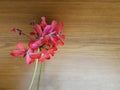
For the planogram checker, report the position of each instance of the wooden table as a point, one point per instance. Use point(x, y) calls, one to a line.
point(90, 58)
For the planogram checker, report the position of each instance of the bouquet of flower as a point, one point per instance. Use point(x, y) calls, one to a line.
point(42, 44)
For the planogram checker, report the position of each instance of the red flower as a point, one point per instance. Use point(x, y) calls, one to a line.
point(46, 38)
point(29, 60)
point(42, 43)
point(43, 22)
point(44, 54)
point(34, 44)
point(23, 51)
point(38, 30)
point(49, 28)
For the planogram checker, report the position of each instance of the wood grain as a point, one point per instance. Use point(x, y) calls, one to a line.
point(90, 58)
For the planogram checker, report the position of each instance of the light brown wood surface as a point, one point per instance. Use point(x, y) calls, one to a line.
point(90, 58)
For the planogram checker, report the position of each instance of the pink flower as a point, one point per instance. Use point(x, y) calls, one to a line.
point(49, 28)
point(43, 22)
point(42, 43)
point(38, 30)
point(34, 44)
point(23, 51)
point(44, 54)
point(29, 60)
point(46, 38)
point(56, 37)
point(52, 32)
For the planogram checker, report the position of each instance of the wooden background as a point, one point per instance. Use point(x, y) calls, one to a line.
point(90, 58)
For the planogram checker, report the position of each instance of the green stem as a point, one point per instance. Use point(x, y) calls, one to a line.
point(39, 76)
point(33, 77)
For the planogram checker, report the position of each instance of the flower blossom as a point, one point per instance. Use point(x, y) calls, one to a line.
point(23, 51)
point(45, 37)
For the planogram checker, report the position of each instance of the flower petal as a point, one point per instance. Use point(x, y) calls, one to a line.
point(61, 42)
point(28, 59)
point(34, 55)
point(53, 25)
point(20, 45)
point(43, 22)
point(32, 33)
point(41, 59)
point(60, 26)
point(34, 44)
point(46, 30)
point(17, 52)
point(62, 36)
point(53, 40)
point(52, 51)
point(38, 29)
point(48, 57)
